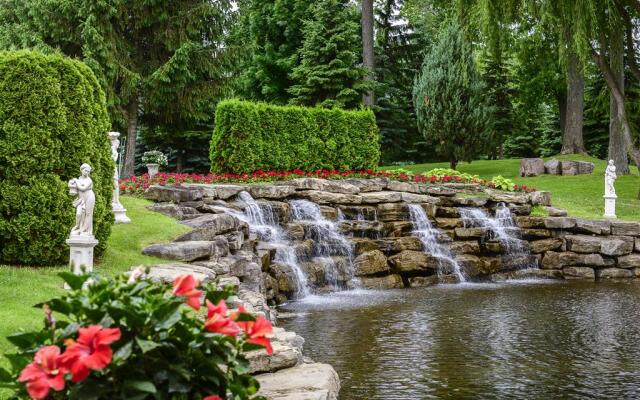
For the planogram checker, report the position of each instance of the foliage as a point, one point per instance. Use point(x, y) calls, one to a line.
point(128, 337)
point(499, 182)
point(154, 157)
point(327, 74)
point(53, 118)
point(441, 172)
point(451, 106)
point(257, 136)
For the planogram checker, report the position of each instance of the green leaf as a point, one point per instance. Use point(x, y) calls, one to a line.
point(123, 352)
point(140, 386)
point(74, 281)
point(25, 340)
point(70, 330)
point(5, 376)
point(18, 361)
point(146, 345)
point(57, 305)
point(168, 315)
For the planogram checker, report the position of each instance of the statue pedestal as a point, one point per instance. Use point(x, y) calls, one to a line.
point(610, 206)
point(120, 213)
point(81, 253)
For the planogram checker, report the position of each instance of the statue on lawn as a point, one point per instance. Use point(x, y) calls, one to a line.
point(82, 187)
point(609, 179)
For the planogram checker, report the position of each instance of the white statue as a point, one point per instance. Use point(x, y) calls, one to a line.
point(609, 179)
point(118, 210)
point(84, 204)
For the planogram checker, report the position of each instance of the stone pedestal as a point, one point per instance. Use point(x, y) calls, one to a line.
point(120, 213)
point(81, 253)
point(610, 206)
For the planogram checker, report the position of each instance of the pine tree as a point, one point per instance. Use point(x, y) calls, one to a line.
point(450, 99)
point(328, 74)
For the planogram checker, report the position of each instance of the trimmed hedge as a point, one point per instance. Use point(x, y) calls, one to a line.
point(53, 118)
point(257, 136)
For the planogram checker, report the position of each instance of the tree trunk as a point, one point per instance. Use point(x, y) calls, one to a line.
point(453, 163)
point(617, 147)
point(561, 98)
point(367, 47)
point(179, 161)
point(572, 140)
point(132, 130)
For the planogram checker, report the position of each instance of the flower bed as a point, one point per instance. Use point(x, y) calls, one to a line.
point(138, 184)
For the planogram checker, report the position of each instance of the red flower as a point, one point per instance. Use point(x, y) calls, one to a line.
point(218, 322)
point(213, 397)
point(45, 372)
point(185, 286)
point(91, 351)
point(257, 331)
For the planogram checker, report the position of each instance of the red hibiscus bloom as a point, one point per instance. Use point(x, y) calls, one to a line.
point(218, 322)
point(91, 351)
point(45, 372)
point(213, 397)
point(185, 286)
point(257, 332)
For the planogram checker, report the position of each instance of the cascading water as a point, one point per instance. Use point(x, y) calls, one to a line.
point(423, 230)
point(328, 242)
point(263, 222)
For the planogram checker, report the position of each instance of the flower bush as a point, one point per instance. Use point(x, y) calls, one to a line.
point(138, 184)
point(154, 157)
point(129, 337)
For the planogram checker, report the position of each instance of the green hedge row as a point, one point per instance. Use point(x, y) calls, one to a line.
point(256, 136)
point(53, 118)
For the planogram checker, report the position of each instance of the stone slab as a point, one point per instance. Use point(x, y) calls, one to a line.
point(303, 382)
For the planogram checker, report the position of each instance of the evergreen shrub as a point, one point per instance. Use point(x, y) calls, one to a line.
point(256, 136)
point(53, 118)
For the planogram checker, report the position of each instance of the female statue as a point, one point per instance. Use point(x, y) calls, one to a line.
point(609, 178)
point(84, 204)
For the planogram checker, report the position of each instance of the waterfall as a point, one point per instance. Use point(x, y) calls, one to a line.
point(423, 230)
point(328, 242)
point(263, 222)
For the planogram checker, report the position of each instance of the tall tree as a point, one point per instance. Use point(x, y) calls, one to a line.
point(572, 135)
point(166, 59)
point(449, 96)
point(367, 47)
point(328, 74)
point(617, 148)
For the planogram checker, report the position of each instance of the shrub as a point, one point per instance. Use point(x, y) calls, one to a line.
point(442, 172)
point(256, 136)
point(129, 337)
point(499, 182)
point(154, 157)
point(53, 118)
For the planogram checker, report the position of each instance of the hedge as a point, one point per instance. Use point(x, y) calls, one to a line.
point(257, 136)
point(53, 118)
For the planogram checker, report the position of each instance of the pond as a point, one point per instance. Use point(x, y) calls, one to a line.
point(516, 340)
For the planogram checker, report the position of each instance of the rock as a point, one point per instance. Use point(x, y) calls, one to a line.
point(629, 261)
point(437, 191)
point(475, 266)
point(617, 245)
point(208, 190)
point(508, 197)
point(556, 212)
point(540, 198)
point(569, 168)
point(584, 167)
point(398, 186)
point(369, 185)
point(217, 267)
point(625, 228)
point(448, 223)
point(544, 245)
point(613, 273)
point(470, 233)
point(527, 273)
point(235, 240)
point(520, 209)
point(286, 278)
point(637, 246)
point(172, 194)
point(384, 282)
point(583, 244)
point(168, 272)
point(284, 356)
point(303, 382)
point(422, 281)
point(329, 213)
point(370, 263)
point(465, 247)
point(392, 212)
point(531, 167)
point(559, 222)
point(324, 185)
point(209, 226)
point(447, 212)
point(593, 227)
point(181, 251)
point(269, 191)
point(381, 197)
point(359, 212)
point(395, 245)
point(530, 222)
point(363, 245)
point(532, 234)
point(412, 261)
point(366, 229)
point(321, 197)
point(397, 228)
point(419, 198)
point(295, 231)
point(552, 167)
point(465, 201)
point(557, 260)
point(173, 210)
point(225, 192)
point(578, 273)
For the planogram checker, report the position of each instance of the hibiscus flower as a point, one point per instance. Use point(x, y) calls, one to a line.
point(218, 321)
point(45, 372)
point(257, 332)
point(91, 351)
point(185, 286)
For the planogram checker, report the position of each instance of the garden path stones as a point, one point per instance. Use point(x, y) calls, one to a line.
point(313, 381)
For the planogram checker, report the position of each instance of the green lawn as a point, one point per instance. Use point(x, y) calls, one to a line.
point(581, 195)
point(21, 287)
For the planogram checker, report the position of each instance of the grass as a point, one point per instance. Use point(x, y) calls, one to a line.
point(22, 287)
point(581, 195)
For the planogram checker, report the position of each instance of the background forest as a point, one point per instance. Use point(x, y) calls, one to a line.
point(448, 80)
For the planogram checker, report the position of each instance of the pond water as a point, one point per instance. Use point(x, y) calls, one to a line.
point(517, 340)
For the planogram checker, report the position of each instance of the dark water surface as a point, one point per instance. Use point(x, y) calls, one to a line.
point(517, 340)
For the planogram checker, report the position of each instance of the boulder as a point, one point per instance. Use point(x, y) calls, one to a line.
point(235, 240)
point(559, 222)
point(533, 234)
point(225, 192)
point(279, 209)
point(520, 209)
point(557, 260)
point(418, 198)
point(569, 168)
point(269, 191)
point(475, 266)
point(556, 212)
point(397, 186)
point(359, 212)
point(209, 226)
point(592, 227)
point(526, 273)
point(302, 382)
point(322, 184)
point(295, 231)
point(181, 251)
point(448, 223)
point(422, 281)
point(369, 185)
point(530, 222)
point(381, 197)
point(540, 198)
point(173, 210)
point(413, 261)
point(397, 228)
point(392, 212)
point(284, 356)
point(464, 201)
point(578, 273)
point(584, 167)
point(617, 245)
point(471, 233)
point(447, 212)
point(625, 228)
point(218, 267)
point(508, 197)
point(172, 194)
point(437, 191)
point(329, 213)
point(552, 167)
point(637, 246)
point(397, 244)
point(465, 247)
point(322, 197)
point(629, 261)
point(370, 263)
point(531, 167)
point(544, 245)
point(583, 243)
point(383, 282)
point(286, 278)
point(613, 273)
point(366, 229)
point(168, 272)
point(363, 245)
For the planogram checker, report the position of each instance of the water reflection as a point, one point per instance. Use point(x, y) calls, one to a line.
point(528, 340)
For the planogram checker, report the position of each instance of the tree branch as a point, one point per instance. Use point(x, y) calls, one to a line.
point(631, 51)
